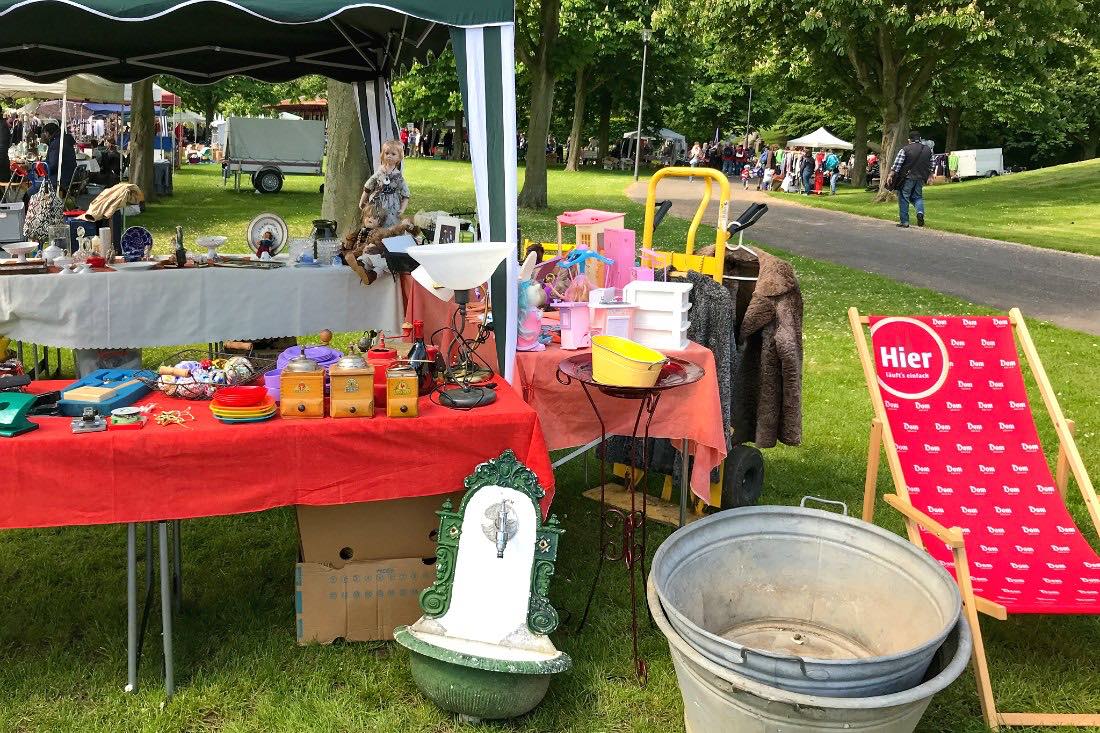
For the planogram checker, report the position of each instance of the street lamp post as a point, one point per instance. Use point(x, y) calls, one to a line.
point(646, 33)
point(748, 121)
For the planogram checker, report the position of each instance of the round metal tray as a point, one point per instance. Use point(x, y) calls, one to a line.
point(675, 373)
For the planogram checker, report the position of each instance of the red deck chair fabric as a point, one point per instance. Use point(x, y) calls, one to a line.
point(970, 454)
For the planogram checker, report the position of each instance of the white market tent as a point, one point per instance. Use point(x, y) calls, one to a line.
point(678, 140)
point(86, 87)
point(818, 139)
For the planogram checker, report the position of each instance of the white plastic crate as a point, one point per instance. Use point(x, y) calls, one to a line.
point(658, 296)
point(662, 339)
point(661, 320)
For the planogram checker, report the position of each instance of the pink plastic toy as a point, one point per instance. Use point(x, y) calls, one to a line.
point(618, 244)
point(575, 333)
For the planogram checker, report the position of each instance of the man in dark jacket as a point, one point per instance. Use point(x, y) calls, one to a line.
point(55, 152)
point(912, 167)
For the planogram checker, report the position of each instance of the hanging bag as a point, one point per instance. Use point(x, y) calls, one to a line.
point(44, 210)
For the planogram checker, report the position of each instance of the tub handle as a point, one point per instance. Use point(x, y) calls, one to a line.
point(842, 505)
point(819, 675)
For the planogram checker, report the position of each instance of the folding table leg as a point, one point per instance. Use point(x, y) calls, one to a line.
point(177, 562)
point(131, 609)
point(166, 610)
point(148, 559)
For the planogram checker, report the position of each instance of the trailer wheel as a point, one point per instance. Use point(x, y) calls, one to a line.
point(744, 477)
point(267, 180)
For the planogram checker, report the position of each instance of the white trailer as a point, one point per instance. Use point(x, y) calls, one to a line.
point(269, 150)
point(983, 162)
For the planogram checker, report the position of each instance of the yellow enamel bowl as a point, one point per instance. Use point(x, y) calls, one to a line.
point(620, 362)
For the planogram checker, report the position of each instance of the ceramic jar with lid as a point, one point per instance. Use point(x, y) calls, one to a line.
point(302, 388)
point(351, 387)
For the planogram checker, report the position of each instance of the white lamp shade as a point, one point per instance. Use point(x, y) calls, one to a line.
point(421, 275)
point(461, 266)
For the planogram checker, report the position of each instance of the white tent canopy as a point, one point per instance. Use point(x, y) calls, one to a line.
point(86, 87)
point(819, 138)
point(664, 134)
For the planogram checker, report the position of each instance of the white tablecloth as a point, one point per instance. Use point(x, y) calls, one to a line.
point(179, 307)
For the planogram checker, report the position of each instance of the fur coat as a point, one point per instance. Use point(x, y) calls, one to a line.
point(767, 360)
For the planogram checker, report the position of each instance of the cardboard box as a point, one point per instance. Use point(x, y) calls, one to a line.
point(371, 530)
point(363, 601)
point(362, 567)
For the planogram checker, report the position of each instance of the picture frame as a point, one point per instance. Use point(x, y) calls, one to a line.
point(447, 229)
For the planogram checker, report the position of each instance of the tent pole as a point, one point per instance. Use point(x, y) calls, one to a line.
point(61, 142)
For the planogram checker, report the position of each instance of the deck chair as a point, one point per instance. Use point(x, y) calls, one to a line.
point(972, 481)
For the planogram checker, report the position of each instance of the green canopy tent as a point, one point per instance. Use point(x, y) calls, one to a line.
point(202, 41)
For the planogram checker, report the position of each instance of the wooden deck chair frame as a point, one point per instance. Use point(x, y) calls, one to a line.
point(1069, 462)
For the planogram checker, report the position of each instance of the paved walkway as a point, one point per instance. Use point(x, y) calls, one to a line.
point(1054, 286)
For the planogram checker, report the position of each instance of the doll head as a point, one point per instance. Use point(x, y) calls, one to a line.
point(373, 215)
point(391, 155)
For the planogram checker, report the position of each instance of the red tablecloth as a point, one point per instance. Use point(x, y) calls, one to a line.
point(53, 478)
point(693, 411)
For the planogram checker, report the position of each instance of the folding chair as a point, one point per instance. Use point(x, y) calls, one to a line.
point(972, 481)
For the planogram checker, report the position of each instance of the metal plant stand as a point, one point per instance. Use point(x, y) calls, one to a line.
point(622, 535)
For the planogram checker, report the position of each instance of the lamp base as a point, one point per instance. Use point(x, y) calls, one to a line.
point(465, 398)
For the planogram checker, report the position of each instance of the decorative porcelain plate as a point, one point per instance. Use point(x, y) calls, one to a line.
point(268, 222)
point(134, 266)
point(135, 240)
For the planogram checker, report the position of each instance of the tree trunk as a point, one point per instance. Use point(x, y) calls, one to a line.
point(895, 127)
point(142, 132)
point(954, 124)
point(459, 139)
point(859, 148)
point(1091, 145)
point(347, 166)
point(573, 163)
point(605, 127)
point(533, 195)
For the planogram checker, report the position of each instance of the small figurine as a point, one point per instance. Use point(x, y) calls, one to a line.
point(265, 246)
point(387, 187)
point(532, 298)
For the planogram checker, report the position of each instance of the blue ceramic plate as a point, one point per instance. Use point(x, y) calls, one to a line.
point(232, 420)
point(134, 242)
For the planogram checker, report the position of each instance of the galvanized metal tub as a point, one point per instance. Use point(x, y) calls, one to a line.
point(718, 700)
point(806, 600)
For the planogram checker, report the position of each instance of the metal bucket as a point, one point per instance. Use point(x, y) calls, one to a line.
point(805, 600)
point(717, 700)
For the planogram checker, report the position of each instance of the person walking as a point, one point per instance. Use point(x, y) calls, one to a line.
point(807, 173)
point(695, 158)
point(832, 170)
point(911, 169)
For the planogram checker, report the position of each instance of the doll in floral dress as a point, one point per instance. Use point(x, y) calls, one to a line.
point(386, 188)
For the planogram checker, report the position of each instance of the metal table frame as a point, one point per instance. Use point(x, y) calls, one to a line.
point(171, 596)
point(628, 545)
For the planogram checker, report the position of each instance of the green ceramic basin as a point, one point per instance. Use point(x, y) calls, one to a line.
point(477, 686)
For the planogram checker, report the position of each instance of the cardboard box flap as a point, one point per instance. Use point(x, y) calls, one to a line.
point(373, 530)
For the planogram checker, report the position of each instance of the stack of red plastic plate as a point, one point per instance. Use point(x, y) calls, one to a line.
point(240, 396)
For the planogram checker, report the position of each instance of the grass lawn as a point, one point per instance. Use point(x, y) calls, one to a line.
point(63, 633)
point(1055, 208)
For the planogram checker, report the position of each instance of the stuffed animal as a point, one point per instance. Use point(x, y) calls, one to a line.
point(532, 298)
point(368, 241)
